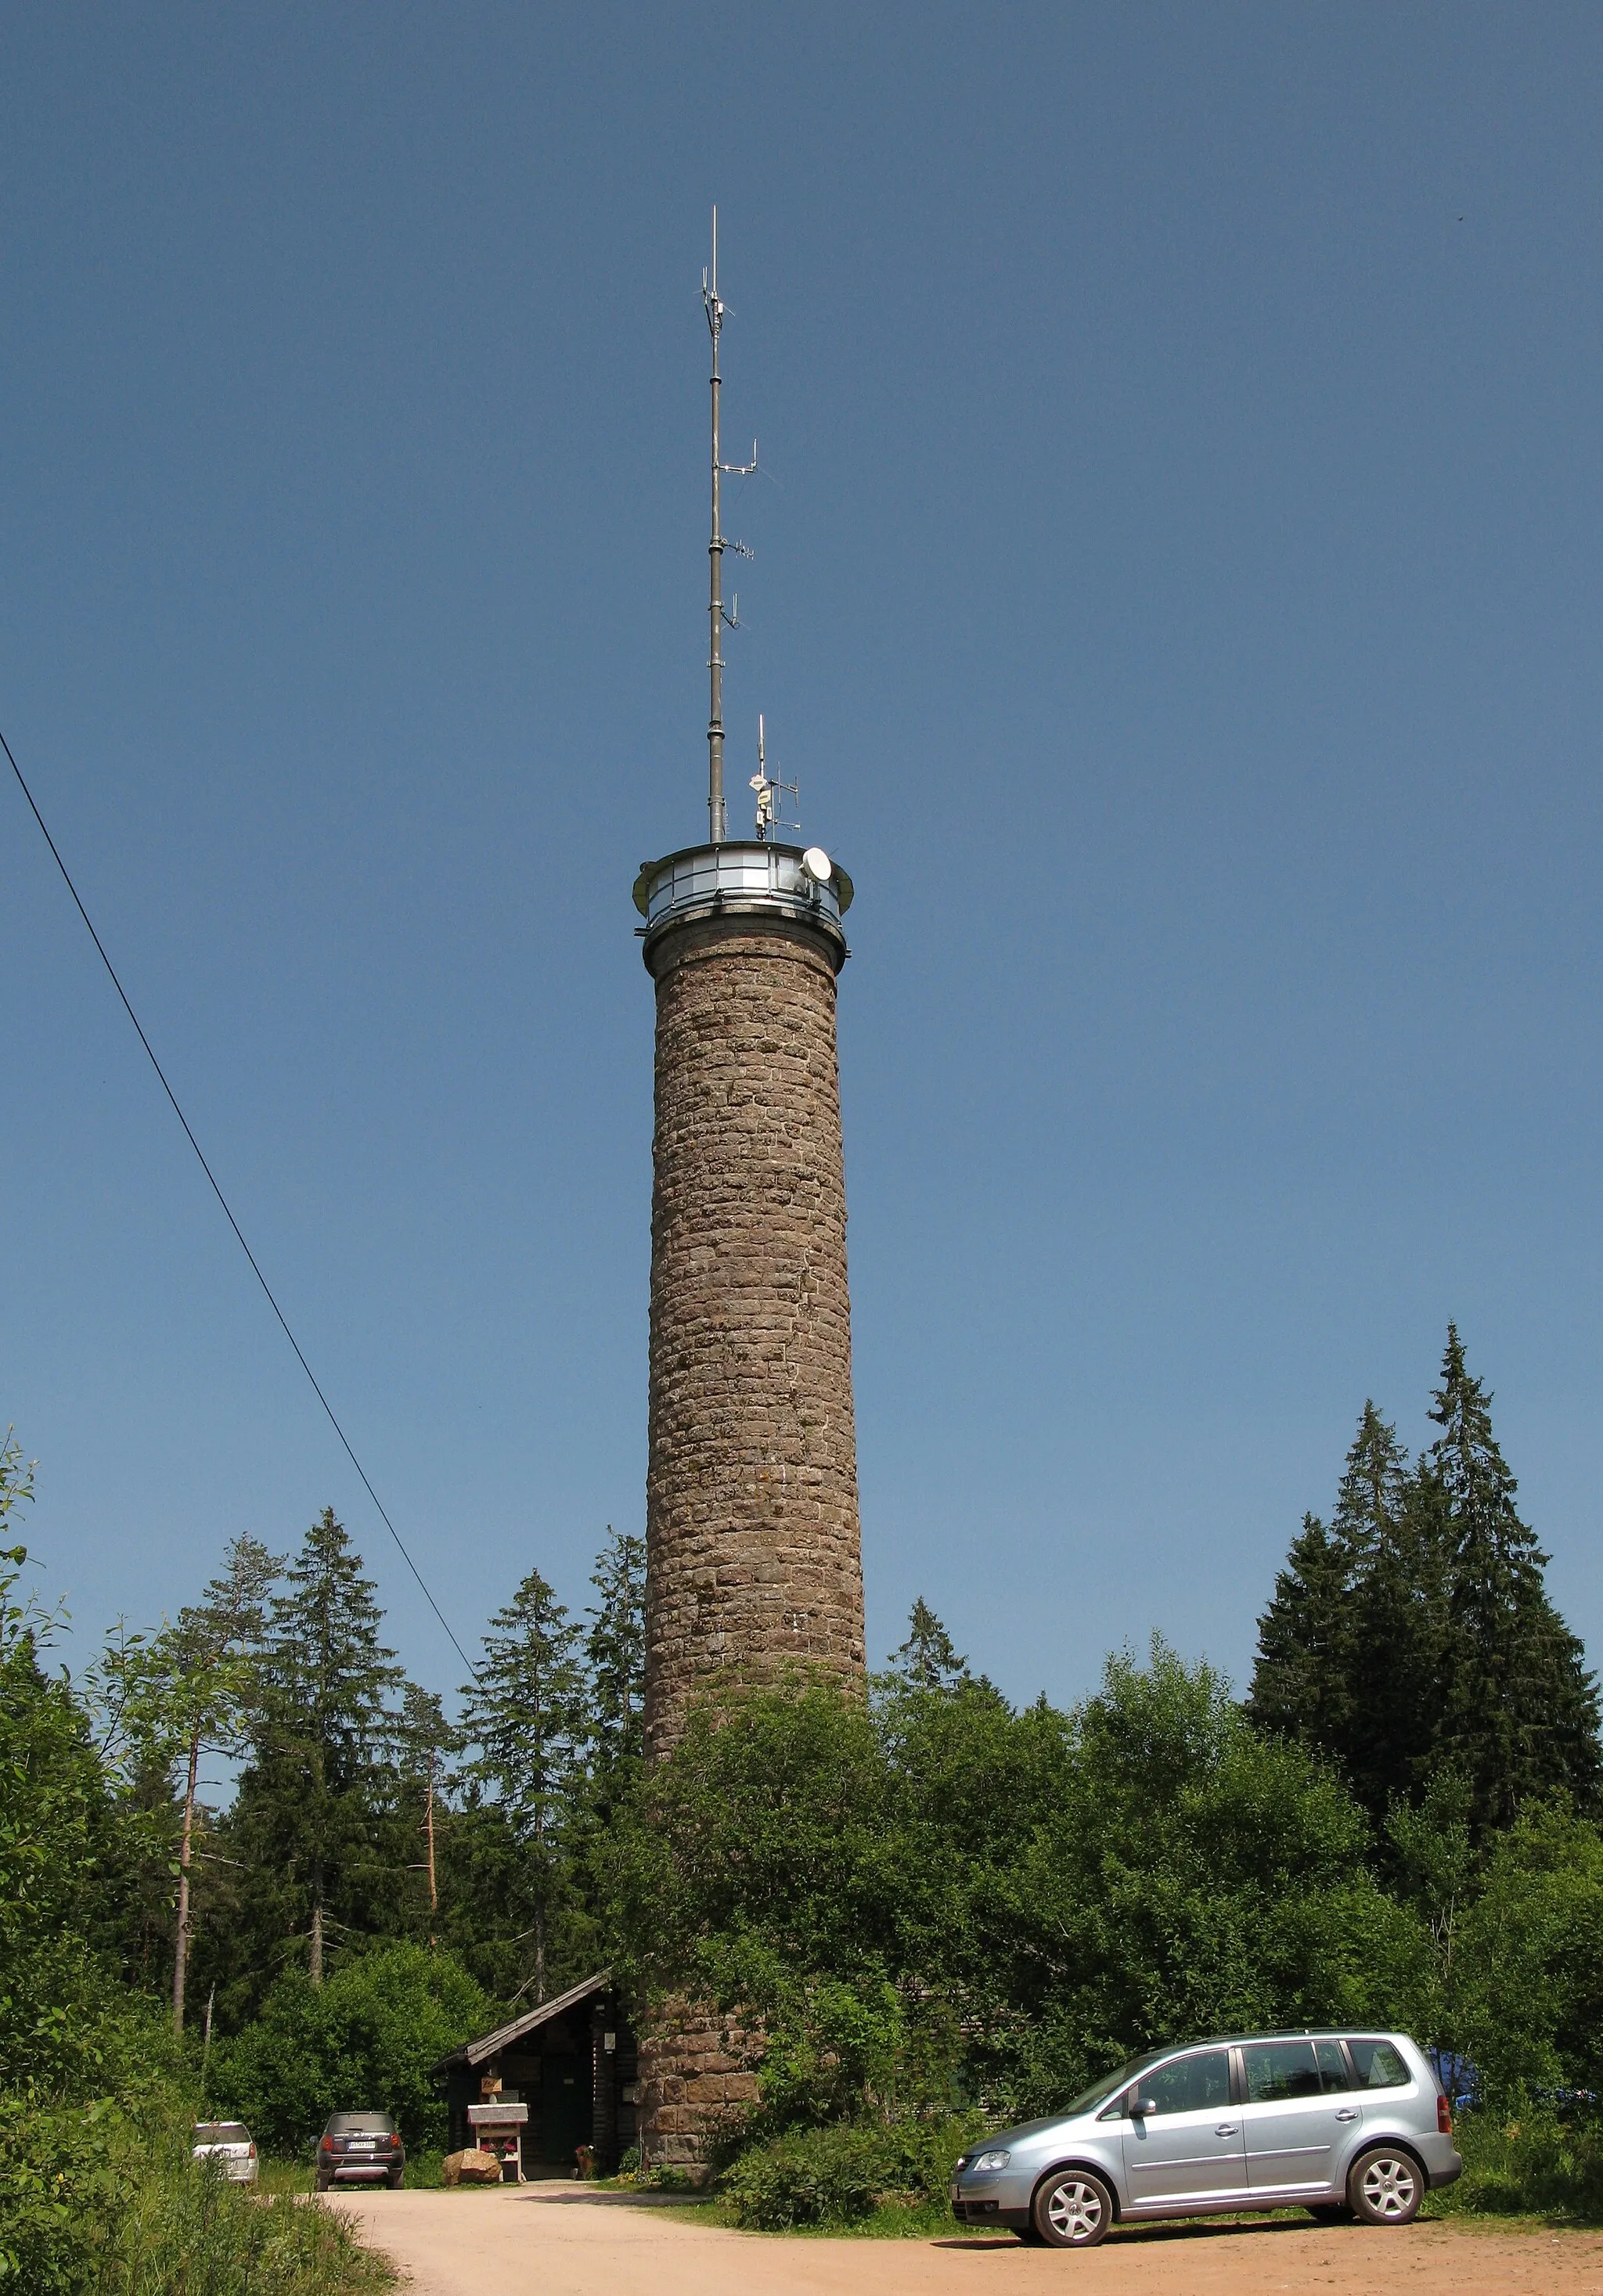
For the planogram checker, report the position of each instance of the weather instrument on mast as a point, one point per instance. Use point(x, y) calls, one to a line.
point(771, 794)
point(718, 613)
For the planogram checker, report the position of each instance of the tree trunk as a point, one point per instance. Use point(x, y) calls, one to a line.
point(539, 1955)
point(181, 1949)
point(315, 1967)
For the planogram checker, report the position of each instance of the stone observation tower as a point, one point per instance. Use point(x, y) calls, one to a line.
point(753, 1551)
point(753, 1546)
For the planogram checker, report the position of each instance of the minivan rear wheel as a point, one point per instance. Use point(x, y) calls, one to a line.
point(1386, 2186)
point(1072, 2210)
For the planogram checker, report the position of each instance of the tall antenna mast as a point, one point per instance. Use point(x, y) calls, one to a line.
point(717, 827)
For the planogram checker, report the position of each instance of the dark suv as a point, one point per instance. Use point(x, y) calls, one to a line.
point(360, 2148)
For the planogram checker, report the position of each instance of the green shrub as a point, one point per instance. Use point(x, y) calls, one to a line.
point(840, 2174)
point(60, 2185)
point(810, 2176)
point(366, 2039)
point(1536, 2164)
point(103, 2201)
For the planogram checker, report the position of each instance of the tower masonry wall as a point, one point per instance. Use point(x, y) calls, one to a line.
point(753, 1543)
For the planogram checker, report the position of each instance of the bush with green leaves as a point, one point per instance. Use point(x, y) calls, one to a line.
point(929, 1898)
point(841, 2174)
point(1537, 2162)
point(364, 2039)
point(1527, 1981)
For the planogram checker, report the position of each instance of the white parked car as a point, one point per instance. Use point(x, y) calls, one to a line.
point(228, 2146)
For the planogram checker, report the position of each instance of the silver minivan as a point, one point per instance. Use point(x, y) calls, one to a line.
point(1343, 2124)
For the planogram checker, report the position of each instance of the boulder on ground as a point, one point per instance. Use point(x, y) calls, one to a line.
point(472, 2167)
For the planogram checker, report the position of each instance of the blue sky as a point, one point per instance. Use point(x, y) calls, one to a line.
point(1178, 594)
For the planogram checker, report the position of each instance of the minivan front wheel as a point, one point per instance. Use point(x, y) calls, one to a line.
point(1072, 2210)
point(1385, 2186)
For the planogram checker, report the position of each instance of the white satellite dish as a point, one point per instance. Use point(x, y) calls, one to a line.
point(818, 864)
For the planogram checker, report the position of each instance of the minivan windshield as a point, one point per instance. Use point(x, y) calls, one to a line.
point(1111, 2083)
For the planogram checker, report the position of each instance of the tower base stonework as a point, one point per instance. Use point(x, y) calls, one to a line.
point(754, 1542)
point(698, 2081)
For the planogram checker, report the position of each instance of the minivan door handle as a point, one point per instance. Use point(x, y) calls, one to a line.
point(1346, 2114)
point(1227, 2128)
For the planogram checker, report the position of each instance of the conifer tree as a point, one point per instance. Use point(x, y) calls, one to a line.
point(1519, 1708)
point(1389, 1523)
point(314, 1820)
point(1414, 1641)
point(1325, 1647)
point(1302, 1683)
point(526, 1714)
point(615, 1654)
point(929, 1659)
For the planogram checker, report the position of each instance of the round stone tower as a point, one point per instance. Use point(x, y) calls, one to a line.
point(753, 1546)
point(754, 1553)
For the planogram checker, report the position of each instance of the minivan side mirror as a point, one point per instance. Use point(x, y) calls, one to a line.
point(1140, 2106)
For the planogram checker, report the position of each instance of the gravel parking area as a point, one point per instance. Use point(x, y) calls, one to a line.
point(561, 2239)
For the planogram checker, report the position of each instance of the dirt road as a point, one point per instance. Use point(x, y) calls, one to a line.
point(559, 2240)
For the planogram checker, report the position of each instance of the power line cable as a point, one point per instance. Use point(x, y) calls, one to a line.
point(229, 1216)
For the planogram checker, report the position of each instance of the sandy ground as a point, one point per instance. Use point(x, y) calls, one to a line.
point(561, 2241)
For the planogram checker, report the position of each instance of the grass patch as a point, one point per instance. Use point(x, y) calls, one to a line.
point(183, 2232)
point(1531, 2165)
point(275, 2177)
point(425, 2171)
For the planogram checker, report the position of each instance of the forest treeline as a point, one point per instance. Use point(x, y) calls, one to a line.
point(358, 1810)
point(932, 1901)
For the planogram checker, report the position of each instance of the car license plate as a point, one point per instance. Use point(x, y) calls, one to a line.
point(364, 2144)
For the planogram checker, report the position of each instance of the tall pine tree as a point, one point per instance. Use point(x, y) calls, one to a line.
point(615, 1654)
point(929, 1659)
point(526, 1713)
point(315, 1827)
point(1414, 1641)
point(1519, 1710)
point(1302, 1683)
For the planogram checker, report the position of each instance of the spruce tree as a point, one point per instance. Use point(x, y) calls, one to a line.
point(929, 1659)
point(1344, 1647)
point(615, 1654)
point(1519, 1710)
point(1414, 1641)
point(316, 1819)
point(525, 1712)
point(1302, 1687)
point(1389, 1521)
